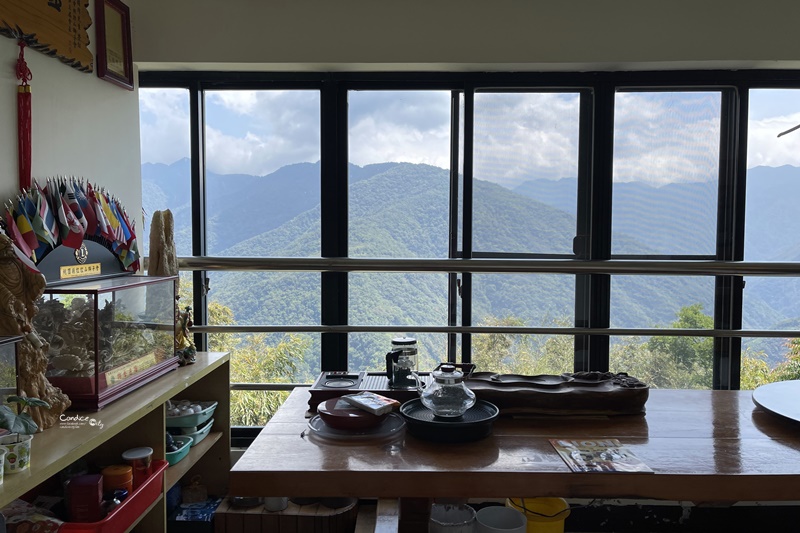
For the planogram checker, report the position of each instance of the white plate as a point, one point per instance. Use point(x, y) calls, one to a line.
point(391, 426)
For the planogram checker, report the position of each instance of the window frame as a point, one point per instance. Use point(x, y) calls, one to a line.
point(593, 239)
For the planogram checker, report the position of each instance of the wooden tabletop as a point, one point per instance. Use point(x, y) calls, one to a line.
point(704, 446)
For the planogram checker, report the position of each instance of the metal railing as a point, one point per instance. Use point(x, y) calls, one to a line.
point(501, 266)
point(490, 265)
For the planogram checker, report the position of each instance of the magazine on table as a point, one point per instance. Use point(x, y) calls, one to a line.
point(600, 455)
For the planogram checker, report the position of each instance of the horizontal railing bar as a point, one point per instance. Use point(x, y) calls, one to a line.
point(541, 266)
point(618, 332)
point(267, 386)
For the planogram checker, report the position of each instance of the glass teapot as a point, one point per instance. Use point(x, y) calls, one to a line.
point(447, 395)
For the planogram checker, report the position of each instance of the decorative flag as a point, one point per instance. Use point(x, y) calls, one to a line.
point(70, 201)
point(70, 231)
point(103, 227)
point(25, 227)
point(86, 207)
point(50, 224)
point(113, 223)
point(15, 234)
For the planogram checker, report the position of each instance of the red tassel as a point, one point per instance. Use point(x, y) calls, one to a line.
point(24, 119)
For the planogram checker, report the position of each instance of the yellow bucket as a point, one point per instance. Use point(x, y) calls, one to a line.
point(545, 515)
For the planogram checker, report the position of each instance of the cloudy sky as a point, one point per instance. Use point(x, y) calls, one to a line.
point(660, 138)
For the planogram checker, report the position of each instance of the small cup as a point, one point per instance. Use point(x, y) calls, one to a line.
point(451, 518)
point(140, 460)
point(276, 504)
point(497, 519)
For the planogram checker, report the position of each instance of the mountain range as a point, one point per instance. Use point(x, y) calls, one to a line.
point(400, 210)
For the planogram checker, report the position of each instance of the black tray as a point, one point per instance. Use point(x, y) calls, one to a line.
point(475, 424)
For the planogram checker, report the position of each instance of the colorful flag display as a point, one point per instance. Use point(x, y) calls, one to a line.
point(65, 212)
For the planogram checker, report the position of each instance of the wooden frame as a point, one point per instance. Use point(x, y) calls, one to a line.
point(113, 35)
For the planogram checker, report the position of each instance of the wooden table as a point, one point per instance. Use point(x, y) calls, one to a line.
point(704, 446)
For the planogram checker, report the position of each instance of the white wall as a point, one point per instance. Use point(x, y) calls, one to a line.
point(81, 125)
point(466, 34)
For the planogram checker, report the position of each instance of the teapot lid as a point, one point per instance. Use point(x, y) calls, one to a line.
point(403, 341)
point(448, 374)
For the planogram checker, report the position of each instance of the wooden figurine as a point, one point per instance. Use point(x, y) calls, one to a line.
point(20, 288)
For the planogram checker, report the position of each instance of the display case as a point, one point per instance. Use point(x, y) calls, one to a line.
point(107, 337)
point(8, 367)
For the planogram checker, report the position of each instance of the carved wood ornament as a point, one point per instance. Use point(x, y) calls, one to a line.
point(20, 287)
point(54, 27)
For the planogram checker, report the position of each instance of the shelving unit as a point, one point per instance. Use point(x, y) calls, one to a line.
point(138, 419)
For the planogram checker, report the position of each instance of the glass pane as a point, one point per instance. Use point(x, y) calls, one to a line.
point(662, 302)
point(270, 357)
point(367, 351)
point(525, 172)
point(523, 300)
point(277, 298)
point(8, 370)
point(772, 233)
point(666, 171)
point(166, 164)
point(263, 173)
point(267, 298)
point(664, 362)
point(530, 355)
point(255, 408)
point(399, 177)
point(397, 298)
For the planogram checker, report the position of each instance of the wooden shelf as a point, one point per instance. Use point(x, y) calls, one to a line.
point(76, 435)
point(144, 514)
point(175, 472)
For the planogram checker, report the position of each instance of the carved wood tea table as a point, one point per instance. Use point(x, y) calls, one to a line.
point(703, 446)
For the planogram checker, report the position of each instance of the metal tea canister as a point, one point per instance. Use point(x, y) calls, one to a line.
point(117, 477)
point(140, 460)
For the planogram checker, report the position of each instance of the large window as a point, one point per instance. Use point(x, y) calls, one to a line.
point(344, 210)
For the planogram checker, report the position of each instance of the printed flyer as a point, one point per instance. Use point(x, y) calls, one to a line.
point(601, 455)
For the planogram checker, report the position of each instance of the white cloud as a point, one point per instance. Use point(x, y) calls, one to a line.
point(524, 136)
point(764, 146)
point(666, 137)
point(164, 125)
point(661, 138)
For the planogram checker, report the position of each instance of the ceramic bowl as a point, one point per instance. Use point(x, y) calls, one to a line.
point(339, 414)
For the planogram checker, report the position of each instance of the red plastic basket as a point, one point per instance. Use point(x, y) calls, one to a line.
point(126, 513)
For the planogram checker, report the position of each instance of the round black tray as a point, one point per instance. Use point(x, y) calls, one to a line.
point(475, 424)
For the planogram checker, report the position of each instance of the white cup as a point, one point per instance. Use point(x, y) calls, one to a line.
point(276, 504)
point(451, 518)
point(496, 519)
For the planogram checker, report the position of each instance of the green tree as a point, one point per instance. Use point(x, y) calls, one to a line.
point(754, 371)
point(255, 361)
point(255, 358)
point(511, 353)
point(693, 354)
point(659, 369)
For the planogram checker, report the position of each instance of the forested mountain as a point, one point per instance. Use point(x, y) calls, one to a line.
point(401, 210)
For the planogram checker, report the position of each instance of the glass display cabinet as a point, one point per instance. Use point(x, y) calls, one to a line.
point(8, 367)
point(108, 337)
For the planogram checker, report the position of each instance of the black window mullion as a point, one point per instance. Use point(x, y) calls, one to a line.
point(580, 245)
point(198, 180)
point(334, 213)
point(452, 278)
point(598, 286)
point(466, 232)
point(730, 236)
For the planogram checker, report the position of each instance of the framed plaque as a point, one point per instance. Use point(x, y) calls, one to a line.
point(114, 60)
